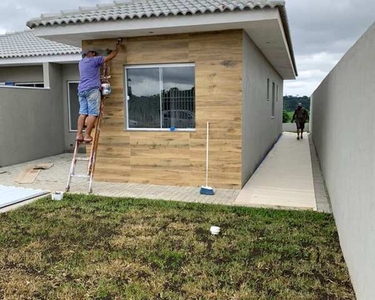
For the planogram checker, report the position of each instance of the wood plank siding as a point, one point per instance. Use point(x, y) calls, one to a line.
point(177, 158)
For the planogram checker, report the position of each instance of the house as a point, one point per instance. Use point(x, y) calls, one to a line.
point(183, 64)
point(38, 102)
point(343, 133)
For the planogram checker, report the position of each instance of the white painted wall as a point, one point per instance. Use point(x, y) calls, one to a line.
point(21, 74)
point(344, 134)
point(259, 130)
point(31, 121)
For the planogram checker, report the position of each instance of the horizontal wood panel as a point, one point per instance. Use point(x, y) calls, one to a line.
point(157, 177)
point(177, 158)
point(160, 163)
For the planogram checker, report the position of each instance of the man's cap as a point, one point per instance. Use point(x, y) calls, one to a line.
point(85, 52)
point(300, 104)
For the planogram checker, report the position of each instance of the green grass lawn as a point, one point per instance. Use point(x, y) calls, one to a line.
point(88, 247)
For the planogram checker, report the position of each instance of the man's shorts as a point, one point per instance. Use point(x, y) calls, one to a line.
point(300, 125)
point(89, 102)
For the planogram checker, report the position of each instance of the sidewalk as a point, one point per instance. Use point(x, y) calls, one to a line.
point(288, 178)
point(285, 179)
point(55, 179)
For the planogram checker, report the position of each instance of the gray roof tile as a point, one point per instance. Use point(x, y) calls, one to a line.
point(137, 9)
point(25, 44)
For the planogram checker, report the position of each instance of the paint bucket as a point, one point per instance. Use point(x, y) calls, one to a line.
point(57, 195)
point(106, 89)
point(215, 230)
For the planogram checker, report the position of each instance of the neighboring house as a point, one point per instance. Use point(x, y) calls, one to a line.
point(182, 64)
point(343, 132)
point(38, 97)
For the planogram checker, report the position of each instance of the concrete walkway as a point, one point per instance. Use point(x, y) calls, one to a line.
point(54, 179)
point(285, 179)
point(288, 178)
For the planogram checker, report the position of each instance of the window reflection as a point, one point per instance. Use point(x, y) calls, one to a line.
point(161, 97)
point(144, 98)
point(178, 97)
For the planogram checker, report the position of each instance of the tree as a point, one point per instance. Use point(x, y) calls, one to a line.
point(286, 117)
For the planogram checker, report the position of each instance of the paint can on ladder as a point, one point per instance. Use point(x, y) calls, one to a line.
point(106, 89)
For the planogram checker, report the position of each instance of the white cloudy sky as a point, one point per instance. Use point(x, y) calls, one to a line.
point(322, 30)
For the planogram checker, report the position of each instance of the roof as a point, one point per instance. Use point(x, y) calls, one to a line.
point(158, 9)
point(138, 9)
point(26, 44)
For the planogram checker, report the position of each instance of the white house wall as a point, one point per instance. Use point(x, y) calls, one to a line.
point(343, 132)
point(259, 130)
point(31, 121)
point(21, 74)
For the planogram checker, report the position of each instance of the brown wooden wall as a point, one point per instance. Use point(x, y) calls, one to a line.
point(177, 158)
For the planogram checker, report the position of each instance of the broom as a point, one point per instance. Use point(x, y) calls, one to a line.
point(207, 190)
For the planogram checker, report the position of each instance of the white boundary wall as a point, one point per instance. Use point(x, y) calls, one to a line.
point(344, 134)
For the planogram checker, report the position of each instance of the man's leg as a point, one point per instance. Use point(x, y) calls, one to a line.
point(90, 125)
point(80, 125)
point(302, 128)
point(83, 112)
point(94, 108)
point(297, 124)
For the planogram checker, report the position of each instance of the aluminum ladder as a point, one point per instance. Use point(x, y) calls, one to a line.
point(91, 160)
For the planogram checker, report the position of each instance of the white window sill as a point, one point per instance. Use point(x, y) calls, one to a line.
point(23, 87)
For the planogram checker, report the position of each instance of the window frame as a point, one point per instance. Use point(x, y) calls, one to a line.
point(126, 99)
point(68, 99)
point(268, 89)
point(277, 93)
point(30, 84)
point(273, 103)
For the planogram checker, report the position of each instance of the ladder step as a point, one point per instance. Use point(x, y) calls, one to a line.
point(83, 158)
point(80, 176)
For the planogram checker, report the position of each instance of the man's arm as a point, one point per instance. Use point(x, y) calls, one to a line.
point(114, 53)
point(294, 116)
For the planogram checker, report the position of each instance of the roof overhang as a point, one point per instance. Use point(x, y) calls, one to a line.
point(264, 26)
point(39, 60)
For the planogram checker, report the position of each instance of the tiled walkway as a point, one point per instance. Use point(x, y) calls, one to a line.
point(289, 177)
point(55, 179)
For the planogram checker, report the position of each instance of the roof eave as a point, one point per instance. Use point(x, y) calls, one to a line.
point(38, 60)
point(284, 19)
point(74, 34)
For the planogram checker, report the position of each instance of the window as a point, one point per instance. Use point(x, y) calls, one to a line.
point(268, 89)
point(73, 104)
point(160, 96)
point(277, 93)
point(273, 99)
point(30, 84)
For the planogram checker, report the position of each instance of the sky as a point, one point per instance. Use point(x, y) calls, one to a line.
point(322, 31)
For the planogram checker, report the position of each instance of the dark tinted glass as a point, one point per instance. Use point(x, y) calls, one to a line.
point(178, 97)
point(144, 98)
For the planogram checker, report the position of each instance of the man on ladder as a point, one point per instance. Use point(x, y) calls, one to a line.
point(91, 108)
point(89, 90)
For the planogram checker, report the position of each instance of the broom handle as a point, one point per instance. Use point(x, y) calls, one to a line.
point(208, 133)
